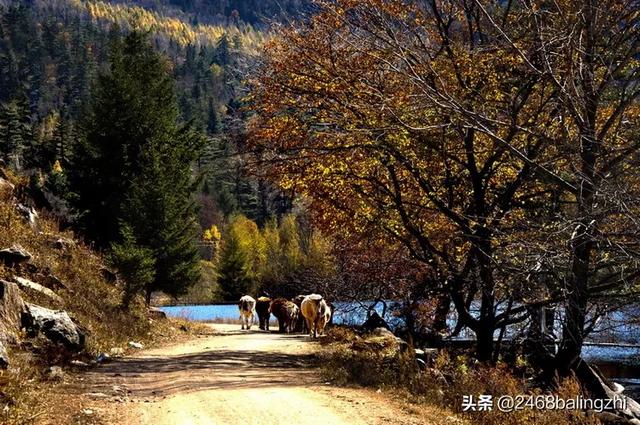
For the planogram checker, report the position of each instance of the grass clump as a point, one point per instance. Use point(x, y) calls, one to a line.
point(352, 359)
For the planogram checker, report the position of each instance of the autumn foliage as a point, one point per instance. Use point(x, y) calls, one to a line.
point(492, 142)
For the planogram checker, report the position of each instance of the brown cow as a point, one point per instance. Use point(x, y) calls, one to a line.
point(262, 308)
point(286, 312)
point(317, 314)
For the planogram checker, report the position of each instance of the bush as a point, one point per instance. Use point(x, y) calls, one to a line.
point(135, 264)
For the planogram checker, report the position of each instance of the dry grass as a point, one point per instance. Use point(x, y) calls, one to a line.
point(93, 302)
point(349, 359)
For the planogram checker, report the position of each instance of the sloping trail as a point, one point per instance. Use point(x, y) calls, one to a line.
point(237, 377)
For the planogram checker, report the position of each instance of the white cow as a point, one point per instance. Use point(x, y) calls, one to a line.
point(247, 306)
point(316, 312)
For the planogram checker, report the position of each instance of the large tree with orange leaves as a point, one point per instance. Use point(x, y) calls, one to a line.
point(440, 125)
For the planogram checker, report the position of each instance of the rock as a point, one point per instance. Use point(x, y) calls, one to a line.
point(617, 388)
point(27, 284)
point(29, 214)
point(80, 364)
point(56, 373)
point(87, 412)
point(382, 332)
point(57, 326)
point(103, 358)
point(14, 255)
point(11, 308)
point(63, 244)
point(136, 345)
point(598, 387)
point(156, 313)
point(375, 321)
point(4, 356)
point(108, 275)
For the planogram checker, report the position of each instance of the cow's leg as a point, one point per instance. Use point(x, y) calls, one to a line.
point(309, 323)
point(242, 321)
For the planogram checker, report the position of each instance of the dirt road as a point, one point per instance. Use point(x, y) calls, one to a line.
point(236, 377)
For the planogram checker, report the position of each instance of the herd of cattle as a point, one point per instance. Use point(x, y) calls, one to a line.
point(304, 313)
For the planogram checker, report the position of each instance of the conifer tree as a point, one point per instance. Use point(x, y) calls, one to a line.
point(134, 166)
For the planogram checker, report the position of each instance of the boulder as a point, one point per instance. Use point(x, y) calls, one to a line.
point(375, 321)
point(383, 332)
point(598, 387)
point(11, 307)
point(136, 345)
point(14, 255)
point(36, 287)
point(29, 214)
point(156, 313)
point(57, 326)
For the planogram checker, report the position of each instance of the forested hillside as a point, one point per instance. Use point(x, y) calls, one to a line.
point(53, 56)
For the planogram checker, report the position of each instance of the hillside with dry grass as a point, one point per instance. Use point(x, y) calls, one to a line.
point(78, 281)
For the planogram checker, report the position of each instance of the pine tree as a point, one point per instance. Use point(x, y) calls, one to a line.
point(134, 166)
point(15, 131)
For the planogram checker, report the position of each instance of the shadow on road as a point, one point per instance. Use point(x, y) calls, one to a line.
point(220, 368)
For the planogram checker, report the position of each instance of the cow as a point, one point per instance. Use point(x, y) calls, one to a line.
point(247, 306)
point(262, 308)
point(286, 312)
point(317, 314)
point(301, 323)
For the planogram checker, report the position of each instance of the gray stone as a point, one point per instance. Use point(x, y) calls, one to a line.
point(57, 326)
point(14, 255)
point(36, 287)
point(136, 345)
point(29, 214)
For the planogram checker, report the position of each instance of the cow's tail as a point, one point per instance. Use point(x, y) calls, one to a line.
point(320, 308)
